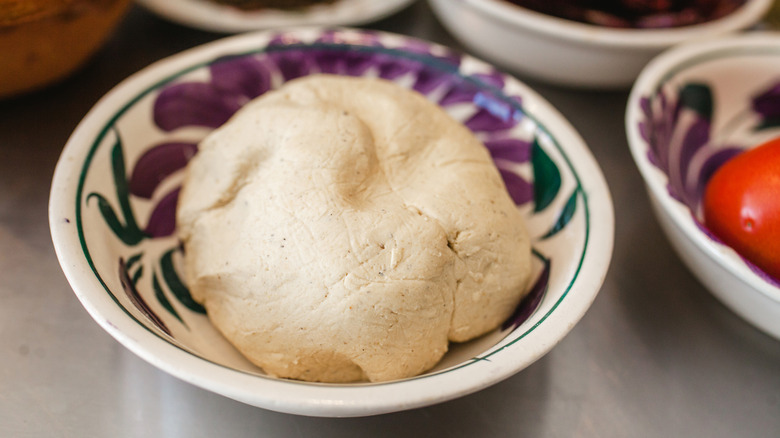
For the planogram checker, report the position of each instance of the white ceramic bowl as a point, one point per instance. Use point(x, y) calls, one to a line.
point(212, 16)
point(690, 110)
point(570, 53)
point(114, 194)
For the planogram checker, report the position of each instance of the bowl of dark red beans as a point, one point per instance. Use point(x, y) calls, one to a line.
point(597, 44)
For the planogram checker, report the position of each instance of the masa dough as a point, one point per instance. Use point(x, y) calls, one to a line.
point(343, 229)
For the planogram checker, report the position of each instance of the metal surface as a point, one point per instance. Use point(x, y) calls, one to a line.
point(656, 355)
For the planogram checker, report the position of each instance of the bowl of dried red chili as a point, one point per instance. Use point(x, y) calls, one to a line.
point(588, 43)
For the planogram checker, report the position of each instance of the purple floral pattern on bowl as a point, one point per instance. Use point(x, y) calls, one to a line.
point(677, 127)
point(139, 207)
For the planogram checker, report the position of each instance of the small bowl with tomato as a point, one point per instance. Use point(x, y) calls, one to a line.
point(703, 126)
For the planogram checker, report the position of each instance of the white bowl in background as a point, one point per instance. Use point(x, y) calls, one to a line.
point(566, 52)
point(216, 17)
point(706, 89)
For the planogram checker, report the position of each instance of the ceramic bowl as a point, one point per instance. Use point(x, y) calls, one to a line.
point(570, 53)
point(115, 187)
point(212, 16)
point(43, 41)
point(692, 109)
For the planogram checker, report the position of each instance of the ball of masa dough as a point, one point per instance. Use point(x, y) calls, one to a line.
point(341, 229)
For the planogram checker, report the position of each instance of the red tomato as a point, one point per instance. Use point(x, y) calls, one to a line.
point(742, 205)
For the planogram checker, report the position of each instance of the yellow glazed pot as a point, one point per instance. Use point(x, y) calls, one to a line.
point(42, 41)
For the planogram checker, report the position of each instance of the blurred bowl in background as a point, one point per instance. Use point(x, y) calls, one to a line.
point(42, 41)
point(692, 109)
point(570, 53)
point(222, 16)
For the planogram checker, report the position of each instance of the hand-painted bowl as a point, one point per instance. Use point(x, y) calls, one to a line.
point(566, 52)
point(693, 108)
point(218, 17)
point(115, 188)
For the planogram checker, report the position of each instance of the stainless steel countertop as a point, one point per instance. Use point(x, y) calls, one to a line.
point(655, 356)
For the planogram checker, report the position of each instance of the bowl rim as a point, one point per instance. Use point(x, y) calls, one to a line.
point(658, 71)
point(301, 397)
point(588, 34)
point(207, 15)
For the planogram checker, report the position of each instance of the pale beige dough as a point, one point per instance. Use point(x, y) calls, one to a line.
point(343, 229)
